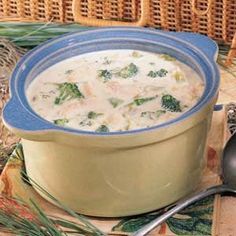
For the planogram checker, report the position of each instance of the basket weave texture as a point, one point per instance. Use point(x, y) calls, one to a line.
point(215, 18)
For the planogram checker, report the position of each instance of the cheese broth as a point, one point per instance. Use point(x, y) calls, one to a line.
point(114, 90)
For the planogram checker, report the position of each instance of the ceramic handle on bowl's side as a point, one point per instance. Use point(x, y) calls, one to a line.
point(22, 122)
point(201, 42)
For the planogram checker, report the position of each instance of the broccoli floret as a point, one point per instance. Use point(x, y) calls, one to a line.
point(61, 122)
point(158, 73)
point(170, 103)
point(94, 115)
point(67, 91)
point(128, 71)
point(162, 72)
point(115, 102)
point(141, 101)
point(105, 75)
point(152, 74)
point(102, 129)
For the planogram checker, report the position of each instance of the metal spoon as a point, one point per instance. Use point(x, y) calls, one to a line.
point(229, 185)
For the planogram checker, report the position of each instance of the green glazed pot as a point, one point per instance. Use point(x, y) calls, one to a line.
point(117, 173)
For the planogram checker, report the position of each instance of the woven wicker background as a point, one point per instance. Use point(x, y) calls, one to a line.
point(219, 22)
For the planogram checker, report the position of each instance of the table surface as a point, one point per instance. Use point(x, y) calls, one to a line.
point(227, 213)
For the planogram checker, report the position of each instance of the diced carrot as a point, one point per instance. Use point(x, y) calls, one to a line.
point(87, 90)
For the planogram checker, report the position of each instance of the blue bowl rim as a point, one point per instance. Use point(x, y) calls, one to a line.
point(171, 35)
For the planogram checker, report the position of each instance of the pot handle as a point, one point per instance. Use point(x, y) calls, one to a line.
point(203, 43)
point(23, 122)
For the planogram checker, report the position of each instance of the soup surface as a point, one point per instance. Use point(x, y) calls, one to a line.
point(114, 90)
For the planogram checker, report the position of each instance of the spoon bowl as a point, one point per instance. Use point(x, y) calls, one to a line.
point(229, 163)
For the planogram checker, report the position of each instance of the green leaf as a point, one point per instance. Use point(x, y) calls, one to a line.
point(191, 226)
point(115, 102)
point(80, 217)
point(102, 129)
point(13, 151)
point(194, 220)
point(68, 91)
point(76, 227)
point(181, 224)
point(32, 34)
point(46, 221)
point(132, 224)
point(200, 209)
point(128, 71)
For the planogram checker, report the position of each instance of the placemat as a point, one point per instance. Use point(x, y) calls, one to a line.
point(198, 219)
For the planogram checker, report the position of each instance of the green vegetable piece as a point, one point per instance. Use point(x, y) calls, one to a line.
point(159, 73)
point(106, 61)
point(128, 71)
point(136, 54)
point(115, 102)
point(94, 115)
point(102, 129)
point(141, 101)
point(61, 122)
point(68, 72)
point(152, 74)
point(167, 57)
point(85, 122)
point(170, 103)
point(162, 72)
point(152, 114)
point(105, 75)
point(159, 113)
point(178, 76)
point(148, 114)
point(68, 91)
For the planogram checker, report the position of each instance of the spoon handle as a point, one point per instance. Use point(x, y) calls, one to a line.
point(181, 205)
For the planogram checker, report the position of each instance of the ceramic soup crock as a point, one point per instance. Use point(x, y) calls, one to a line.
point(117, 173)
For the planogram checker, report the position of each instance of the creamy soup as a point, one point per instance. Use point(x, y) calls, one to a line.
point(115, 90)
